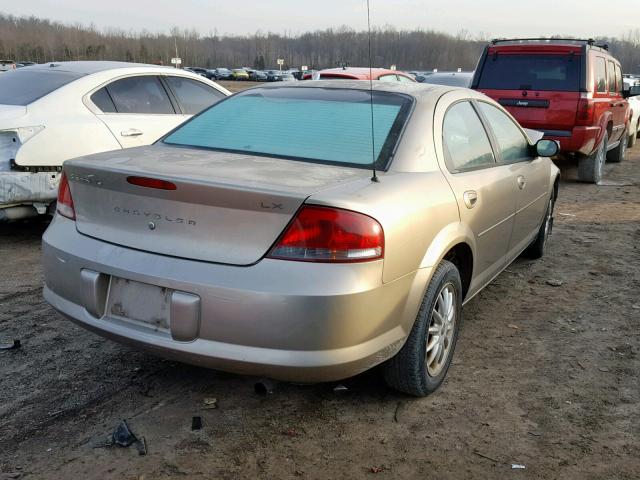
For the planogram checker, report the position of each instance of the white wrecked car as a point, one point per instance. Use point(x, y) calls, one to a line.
point(50, 113)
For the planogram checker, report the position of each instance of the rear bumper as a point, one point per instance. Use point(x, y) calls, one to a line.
point(28, 188)
point(582, 140)
point(286, 320)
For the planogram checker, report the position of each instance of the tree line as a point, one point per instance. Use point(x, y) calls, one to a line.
point(42, 40)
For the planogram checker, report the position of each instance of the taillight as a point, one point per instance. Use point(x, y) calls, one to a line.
point(324, 234)
point(151, 183)
point(586, 110)
point(65, 202)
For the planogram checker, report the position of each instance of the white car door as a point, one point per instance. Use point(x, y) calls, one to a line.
point(137, 110)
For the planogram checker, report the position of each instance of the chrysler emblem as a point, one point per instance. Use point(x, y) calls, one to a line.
point(152, 226)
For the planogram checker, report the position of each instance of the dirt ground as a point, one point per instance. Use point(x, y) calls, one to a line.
point(544, 376)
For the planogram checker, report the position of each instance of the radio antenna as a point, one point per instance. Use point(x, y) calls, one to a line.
point(374, 178)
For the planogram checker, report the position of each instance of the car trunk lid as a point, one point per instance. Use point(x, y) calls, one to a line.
point(225, 208)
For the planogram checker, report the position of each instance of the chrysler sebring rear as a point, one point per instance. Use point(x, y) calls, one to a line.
point(272, 248)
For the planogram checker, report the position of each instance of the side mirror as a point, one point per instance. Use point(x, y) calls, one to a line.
point(547, 148)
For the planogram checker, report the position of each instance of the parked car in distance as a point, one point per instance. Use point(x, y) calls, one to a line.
point(201, 71)
point(258, 76)
point(632, 92)
point(223, 74)
point(569, 89)
point(239, 74)
point(275, 253)
point(274, 75)
point(288, 77)
point(452, 79)
point(6, 65)
point(24, 64)
point(53, 112)
point(364, 73)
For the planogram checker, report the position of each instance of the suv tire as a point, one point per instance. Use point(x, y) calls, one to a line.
point(617, 154)
point(438, 323)
point(537, 248)
point(590, 166)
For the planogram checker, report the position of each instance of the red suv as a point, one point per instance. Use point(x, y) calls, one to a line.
point(571, 90)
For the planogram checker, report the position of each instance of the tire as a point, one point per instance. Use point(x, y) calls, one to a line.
point(407, 371)
point(590, 166)
point(537, 248)
point(617, 154)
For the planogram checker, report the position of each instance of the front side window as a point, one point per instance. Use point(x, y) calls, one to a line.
point(194, 96)
point(611, 75)
point(465, 139)
point(388, 78)
point(514, 146)
point(306, 124)
point(141, 94)
point(601, 75)
point(618, 79)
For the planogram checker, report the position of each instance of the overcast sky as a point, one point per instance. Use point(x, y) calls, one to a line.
point(492, 18)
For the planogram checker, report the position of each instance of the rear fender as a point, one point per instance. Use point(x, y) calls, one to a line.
point(450, 236)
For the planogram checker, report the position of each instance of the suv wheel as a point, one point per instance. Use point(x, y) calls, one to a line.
point(421, 365)
point(539, 244)
point(590, 166)
point(617, 154)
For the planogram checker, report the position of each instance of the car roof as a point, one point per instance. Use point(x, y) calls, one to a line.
point(90, 67)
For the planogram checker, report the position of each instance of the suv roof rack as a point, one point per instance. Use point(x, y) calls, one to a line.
point(578, 41)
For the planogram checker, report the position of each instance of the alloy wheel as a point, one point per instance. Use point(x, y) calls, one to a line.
point(441, 330)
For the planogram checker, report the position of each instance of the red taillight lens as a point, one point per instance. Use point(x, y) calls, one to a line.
point(323, 234)
point(151, 183)
point(586, 111)
point(65, 202)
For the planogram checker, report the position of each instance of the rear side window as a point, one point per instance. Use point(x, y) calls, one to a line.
point(194, 96)
point(465, 139)
point(143, 94)
point(307, 124)
point(514, 146)
point(557, 72)
point(26, 85)
point(611, 75)
point(601, 75)
point(103, 101)
point(388, 78)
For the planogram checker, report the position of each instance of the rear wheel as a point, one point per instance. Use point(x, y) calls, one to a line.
point(538, 246)
point(421, 365)
point(617, 154)
point(590, 166)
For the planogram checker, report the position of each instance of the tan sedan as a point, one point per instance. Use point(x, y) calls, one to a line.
point(273, 249)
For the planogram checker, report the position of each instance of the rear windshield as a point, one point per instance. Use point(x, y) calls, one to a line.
point(26, 85)
point(308, 124)
point(558, 72)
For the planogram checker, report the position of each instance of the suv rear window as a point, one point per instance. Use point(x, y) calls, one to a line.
point(557, 72)
point(308, 124)
point(26, 85)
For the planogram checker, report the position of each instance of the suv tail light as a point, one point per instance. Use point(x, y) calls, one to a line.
point(325, 234)
point(65, 202)
point(586, 110)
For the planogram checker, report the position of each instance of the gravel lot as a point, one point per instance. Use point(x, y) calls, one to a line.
point(544, 376)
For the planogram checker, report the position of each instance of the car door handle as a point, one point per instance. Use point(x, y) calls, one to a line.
point(131, 132)
point(521, 182)
point(470, 198)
